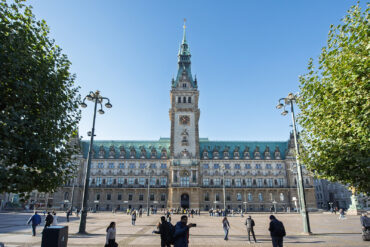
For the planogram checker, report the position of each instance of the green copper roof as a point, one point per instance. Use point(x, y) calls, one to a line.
point(138, 146)
point(209, 146)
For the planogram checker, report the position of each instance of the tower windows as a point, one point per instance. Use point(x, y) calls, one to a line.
point(184, 85)
point(189, 99)
point(184, 99)
point(179, 100)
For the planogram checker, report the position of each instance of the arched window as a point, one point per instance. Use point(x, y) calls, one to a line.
point(179, 100)
point(189, 99)
point(184, 100)
point(66, 196)
point(260, 197)
point(250, 197)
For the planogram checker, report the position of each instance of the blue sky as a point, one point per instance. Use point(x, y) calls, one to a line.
point(246, 55)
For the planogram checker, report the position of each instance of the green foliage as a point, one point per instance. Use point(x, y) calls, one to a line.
point(335, 105)
point(38, 107)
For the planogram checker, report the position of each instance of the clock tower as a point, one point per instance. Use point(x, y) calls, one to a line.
point(184, 112)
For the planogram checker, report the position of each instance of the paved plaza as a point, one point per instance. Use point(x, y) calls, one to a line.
point(327, 230)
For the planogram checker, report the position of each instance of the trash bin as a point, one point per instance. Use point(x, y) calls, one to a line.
point(55, 236)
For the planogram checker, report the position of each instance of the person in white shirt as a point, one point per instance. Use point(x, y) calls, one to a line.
point(111, 235)
point(55, 219)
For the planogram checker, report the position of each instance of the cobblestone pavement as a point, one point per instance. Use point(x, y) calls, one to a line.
point(327, 230)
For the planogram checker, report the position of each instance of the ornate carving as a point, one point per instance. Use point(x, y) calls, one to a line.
point(257, 154)
point(185, 153)
point(236, 153)
point(112, 152)
point(277, 153)
point(142, 152)
point(226, 153)
point(205, 154)
point(101, 152)
point(132, 152)
point(122, 152)
point(184, 141)
point(164, 153)
point(246, 153)
point(153, 153)
point(267, 153)
point(215, 153)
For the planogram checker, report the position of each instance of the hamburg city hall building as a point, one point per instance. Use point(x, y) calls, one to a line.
point(185, 170)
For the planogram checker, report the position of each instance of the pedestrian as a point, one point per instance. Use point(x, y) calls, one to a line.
point(226, 227)
point(67, 214)
point(277, 232)
point(250, 228)
point(181, 235)
point(77, 212)
point(365, 222)
point(36, 220)
point(133, 217)
point(165, 230)
point(48, 220)
point(341, 214)
point(55, 219)
point(140, 212)
point(111, 235)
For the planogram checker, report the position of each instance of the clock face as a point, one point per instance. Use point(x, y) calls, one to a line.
point(185, 120)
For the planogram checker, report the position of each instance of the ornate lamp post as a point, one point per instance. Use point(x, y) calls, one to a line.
point(301, 194)
point(97, 99)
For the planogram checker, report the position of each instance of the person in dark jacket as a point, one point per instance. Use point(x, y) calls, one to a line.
point(277, 232)
point(250, 228)
point(133, 218)
point(48, 220)
point(181, 235)
point(36, 220)
point(165, 230)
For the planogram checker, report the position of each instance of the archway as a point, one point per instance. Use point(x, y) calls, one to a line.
point(185, 202)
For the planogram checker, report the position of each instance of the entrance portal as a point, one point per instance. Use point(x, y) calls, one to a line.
point(185, 202)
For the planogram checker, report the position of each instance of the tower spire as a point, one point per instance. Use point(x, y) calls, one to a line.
point(184, 35)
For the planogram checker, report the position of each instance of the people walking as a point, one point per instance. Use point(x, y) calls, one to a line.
point(181, 235)
point(48, 220)
point(341, 214)
point(133, 217)
point(226, 227)
point(36, 220)
point(111, 235)
point(165, 230)
point(55, 219)
point(277, 232)
point(68, 213)
point(250, 228)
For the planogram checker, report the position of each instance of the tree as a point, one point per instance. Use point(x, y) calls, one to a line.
point(335, 105)
point(38, 107)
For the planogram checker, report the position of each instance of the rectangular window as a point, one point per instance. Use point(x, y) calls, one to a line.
point(228, 197)
point(205, 181)
point(258, 166)
point(98, 181)
point(108, 197)
point(142, 166)
point(130, 197)
point(205, 166)
point(163, 181)
point(250, 197)
point(111, 165)
point(259, 182)
point(247, 166)
point(206, 197)
point(216, 166)
point(141, 197)
point(119, 197)
point(152, 196)
point(142, 181)
point(121, 166)
point(217, 197)
point(153, 166)
point(217, 182)
point(238, 182)
point(131, 180)
point(270, 182)
point(109, 181)
point(238, 196)
point(184, 181)
point(281, 182)
point(268, 166)
point(152, 181)
point(163, 197)
point(163, 166)
point(237, 166)
point(248, 181)
point(227, 182)
point(100, 165)
point(120, 180)
point(279, 166)
point(227, 166)
point(132, 165)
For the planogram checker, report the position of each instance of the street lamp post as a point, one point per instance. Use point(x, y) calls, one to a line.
point(97, 99)
point(302, 197)
point(274, 203)
point(147, 199)
point(245, 206)
point(224, 191)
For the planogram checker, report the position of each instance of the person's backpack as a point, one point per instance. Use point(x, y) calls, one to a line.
point(171, 233)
